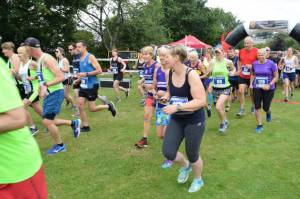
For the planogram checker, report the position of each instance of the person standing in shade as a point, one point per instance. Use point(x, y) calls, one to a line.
point(51, 90)
point(264, 75)
point(118, 66)
point(21, 166)
point(89, 85)
point(186, 96)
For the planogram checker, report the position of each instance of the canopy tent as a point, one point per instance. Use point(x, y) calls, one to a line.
point(191, 42)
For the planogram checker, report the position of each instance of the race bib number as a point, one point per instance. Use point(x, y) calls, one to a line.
point(245, 70)
point(261, 81)
point(27, 87)
point(40, 76)
point(178, 100)
point(288, 68)
point(219, 81)
point(75, 70)
point(141, 73)
point(84, 82)
point(115, 70)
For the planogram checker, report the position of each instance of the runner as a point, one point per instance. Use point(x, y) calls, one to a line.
point(159, 90)
point(28, 75)
point(51, 90)
point(13, 64)
point(21, 170)
point(289, 64)
point(246, 57)
point(64, 66)
point(233, 78)
point(147, 84)
point(298, 70)
point(89, 69)
point(75, 66)
point(264, 75)
point(221, 86)
point(118, 66)
point(209, 56)
point(186, 95)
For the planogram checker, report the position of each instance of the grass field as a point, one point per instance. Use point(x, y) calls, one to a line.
point(241, 164)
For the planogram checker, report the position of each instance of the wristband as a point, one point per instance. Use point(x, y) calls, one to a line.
point(87, 74)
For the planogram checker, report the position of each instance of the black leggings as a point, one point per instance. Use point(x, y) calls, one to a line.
point(262, 96)
point(176, 132)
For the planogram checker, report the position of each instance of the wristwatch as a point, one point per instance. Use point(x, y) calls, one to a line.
point(87, 74)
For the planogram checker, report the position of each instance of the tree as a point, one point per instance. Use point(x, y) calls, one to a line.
point(52, 22)
point(282, 42)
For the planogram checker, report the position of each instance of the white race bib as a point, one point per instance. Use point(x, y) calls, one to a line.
point(219, 81)
point(115, 70)
point(245, 70)
point(178, 100)
point(84, 83)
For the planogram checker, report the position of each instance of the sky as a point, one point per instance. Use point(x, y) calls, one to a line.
point(263, 9)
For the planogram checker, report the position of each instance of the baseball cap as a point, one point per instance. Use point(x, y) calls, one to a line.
point(32, 42)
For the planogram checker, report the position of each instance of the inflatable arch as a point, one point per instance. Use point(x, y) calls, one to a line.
point(254, 27)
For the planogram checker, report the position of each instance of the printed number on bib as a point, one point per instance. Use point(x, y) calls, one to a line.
point(27, 87)
point(115, 70)
point(75, 70)
point(84, 82)
point(261, 81)
point(245, 70)
point(219, 81)
point(178, 100)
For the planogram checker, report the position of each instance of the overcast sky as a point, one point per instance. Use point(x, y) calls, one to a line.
point(262, 9)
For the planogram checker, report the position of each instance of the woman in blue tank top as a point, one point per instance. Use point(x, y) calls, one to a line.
point(186, 96)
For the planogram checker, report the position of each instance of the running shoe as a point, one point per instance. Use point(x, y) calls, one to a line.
point(259, 128)
point(167, 164)
point(112, 108)
point(34, 130)
point(252, 109)
point(56, 149)
point(286, 99)
point(196, 185)
point(103, 99)
point(85, 129)
point(184, 174)
point(208, 111)
point(223, 127)
point(227, 108)
point(76, 127)
point(268, 117)
point(240, 113)
point(127, 93)
point(143, 143)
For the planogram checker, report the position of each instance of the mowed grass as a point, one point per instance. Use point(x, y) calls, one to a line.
point(241, 164)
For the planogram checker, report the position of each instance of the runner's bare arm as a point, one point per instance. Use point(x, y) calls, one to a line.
point(66, 66)
point(15, 63)
point(96, 65)
point(12, 120)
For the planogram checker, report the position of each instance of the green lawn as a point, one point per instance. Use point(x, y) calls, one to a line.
point(240, 164)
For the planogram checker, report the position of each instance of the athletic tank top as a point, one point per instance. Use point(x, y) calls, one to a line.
point(116, 66)
point(289, 65)
point(161, 83)
point(148, 73)
point(220, 74)
point(45, 75)
point(180, 95)
point(61, 66)
point(24, 73)
point(85, 67)
point(76, 64)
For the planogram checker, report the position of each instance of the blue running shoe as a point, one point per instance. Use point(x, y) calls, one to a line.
point(56, 149)
point(196, 185)
point(259, 128)
point(184, 174)
point(167, 164)
point(76, 127)
point(268, 117)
